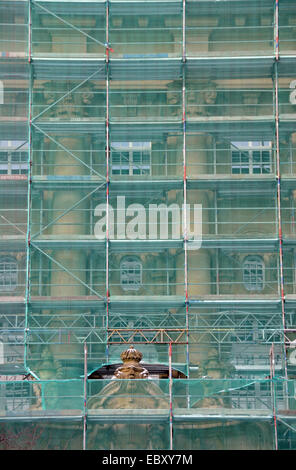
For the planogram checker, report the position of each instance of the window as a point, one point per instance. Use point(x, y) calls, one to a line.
point(254, 273)
point(131, 158)
point(131, 273)
point(8, 274)
point(252, 157)
point(13, 158)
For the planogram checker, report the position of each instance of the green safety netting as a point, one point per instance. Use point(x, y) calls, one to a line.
point(135, 414)
point(112, 112)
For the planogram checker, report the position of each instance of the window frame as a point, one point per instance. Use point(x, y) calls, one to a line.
point(4, 287)
point(127, 263)
point(130, 167)
point(249, 283)
point(249, 151)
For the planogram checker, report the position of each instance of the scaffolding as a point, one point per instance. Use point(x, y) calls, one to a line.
point(111, 109)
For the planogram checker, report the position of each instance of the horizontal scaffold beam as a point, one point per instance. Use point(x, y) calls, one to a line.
point(147, 335)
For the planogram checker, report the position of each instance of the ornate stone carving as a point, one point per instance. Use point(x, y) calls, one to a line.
point(201, 98)
point(123, 393)
point(77, 104)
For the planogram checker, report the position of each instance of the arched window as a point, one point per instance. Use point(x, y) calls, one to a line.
point(131, 273)
point(254, 273)
point(8, 274)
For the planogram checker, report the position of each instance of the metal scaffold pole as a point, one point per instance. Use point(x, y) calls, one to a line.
point(107, 181)
point(273, 393)
point(276, 29)
point(185, 221)
point(171, 395)
point(280, 232)
point(85, 397)
point(279, 218)
point(29, 186)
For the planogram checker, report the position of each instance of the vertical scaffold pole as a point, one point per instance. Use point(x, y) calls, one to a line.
point(185, 215)
point(107, 179)
point(85, 397)
point(28, 234)
point(171, 395)
point(273, 395)
point(276, 30)
point(184, 32)
point(280, 233)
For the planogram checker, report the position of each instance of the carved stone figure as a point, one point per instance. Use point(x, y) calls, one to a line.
point(213, 368)
point(201, 98)
point(47, 369)
point(77, 104)
point(131, 368)
point(174, 98)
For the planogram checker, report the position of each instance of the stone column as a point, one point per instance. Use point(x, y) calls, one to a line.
point(199, 155)
point(72, 226)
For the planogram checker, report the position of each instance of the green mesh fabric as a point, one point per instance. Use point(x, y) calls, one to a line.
point(122, 123)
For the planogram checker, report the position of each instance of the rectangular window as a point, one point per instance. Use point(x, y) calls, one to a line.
point(13, 158)
point(131, 158)
point(8, 275)
point(251, 157)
